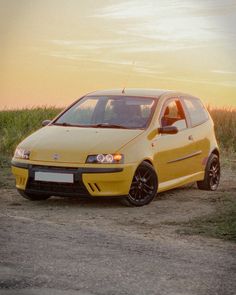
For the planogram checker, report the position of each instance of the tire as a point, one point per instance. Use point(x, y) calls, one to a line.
point(32, 196)
point(143, 187)
point(212, 174)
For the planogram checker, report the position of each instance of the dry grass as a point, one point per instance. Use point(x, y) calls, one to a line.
point(225, 127)
point(220, 224)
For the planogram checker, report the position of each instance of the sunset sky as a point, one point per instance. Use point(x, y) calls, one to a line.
point(54, 51)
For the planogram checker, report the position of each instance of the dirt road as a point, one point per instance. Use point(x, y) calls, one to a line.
point(72, 246)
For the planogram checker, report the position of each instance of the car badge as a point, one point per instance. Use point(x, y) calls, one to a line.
point(55, 156)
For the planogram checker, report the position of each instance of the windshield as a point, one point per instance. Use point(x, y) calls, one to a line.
point(109, 112)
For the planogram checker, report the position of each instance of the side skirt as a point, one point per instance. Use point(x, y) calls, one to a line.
point(164, 186)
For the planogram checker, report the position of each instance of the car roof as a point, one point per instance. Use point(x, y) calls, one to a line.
point(142, 92)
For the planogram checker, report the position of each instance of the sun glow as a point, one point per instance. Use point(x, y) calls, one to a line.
point(51, 58)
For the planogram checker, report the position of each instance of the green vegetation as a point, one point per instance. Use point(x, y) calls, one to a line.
point(15, 125)
point(6, 178)
point(221, 224)
point(225, 127)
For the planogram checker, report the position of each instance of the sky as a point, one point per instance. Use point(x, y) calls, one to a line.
point(54, 51)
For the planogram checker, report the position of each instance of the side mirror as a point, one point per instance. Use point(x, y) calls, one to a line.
point(168, 130)
point(46, 122)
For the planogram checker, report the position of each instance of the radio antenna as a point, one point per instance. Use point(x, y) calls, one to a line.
point(128, 77)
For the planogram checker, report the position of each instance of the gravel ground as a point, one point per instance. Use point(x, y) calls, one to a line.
point(72, 246)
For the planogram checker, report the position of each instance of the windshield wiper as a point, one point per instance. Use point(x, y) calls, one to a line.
point(63, 124)
point(102, 125)
point(107, 125)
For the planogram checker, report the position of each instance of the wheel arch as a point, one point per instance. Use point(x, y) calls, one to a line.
point(150, 162)
point(216, 152)
point(137, 198)
point(147, 161)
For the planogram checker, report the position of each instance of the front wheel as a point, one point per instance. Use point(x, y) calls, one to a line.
point(143, 187)
point(33, 196)
point(212, 174)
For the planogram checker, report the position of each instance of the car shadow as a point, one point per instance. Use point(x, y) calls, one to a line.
point(101, 202)
point(172, 192)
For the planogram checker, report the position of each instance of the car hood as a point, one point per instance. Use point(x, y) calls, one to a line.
point(74, 144)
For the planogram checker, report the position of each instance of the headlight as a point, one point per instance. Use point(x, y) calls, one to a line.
point(106, 159)
point(22, 153)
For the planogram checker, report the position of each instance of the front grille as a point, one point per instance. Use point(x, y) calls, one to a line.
point(56, 188)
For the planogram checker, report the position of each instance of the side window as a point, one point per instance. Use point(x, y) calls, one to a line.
point(197, 111)
point(173, 115)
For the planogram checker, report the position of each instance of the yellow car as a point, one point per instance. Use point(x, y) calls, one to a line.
point(131, 143)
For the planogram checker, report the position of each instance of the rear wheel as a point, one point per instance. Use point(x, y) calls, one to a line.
point(144, 186)
point(212, 174)
point(33, 196)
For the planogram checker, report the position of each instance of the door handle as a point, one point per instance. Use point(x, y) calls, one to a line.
point(190, 138)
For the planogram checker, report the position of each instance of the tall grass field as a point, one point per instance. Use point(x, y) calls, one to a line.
point(15, 125)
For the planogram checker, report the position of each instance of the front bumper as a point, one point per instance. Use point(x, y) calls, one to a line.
point(89, 180)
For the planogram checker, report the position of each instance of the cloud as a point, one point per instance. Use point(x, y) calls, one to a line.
point(124, 10)
point(147, 31)
point(68, 55)
point(90, 44)
point(161, 8)
point(186, 21)
point(136, 44)
point(224, 72)
point(200, 81)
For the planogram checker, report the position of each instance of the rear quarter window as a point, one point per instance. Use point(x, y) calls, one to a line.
point(197, 112)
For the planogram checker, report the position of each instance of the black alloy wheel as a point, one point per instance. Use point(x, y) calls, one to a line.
point(144, 186)
point(212, 174)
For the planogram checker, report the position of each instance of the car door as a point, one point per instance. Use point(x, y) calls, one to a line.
point(174, 153)
point(201, 129)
